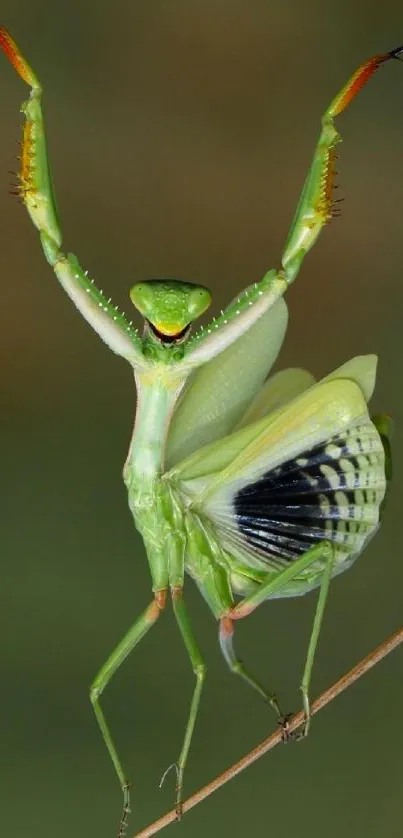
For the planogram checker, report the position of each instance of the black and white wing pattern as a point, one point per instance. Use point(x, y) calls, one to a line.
point(332, 491)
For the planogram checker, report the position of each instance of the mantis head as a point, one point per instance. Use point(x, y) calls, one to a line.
point(169, 306)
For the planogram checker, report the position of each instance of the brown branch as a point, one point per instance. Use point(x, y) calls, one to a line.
point(328, 695)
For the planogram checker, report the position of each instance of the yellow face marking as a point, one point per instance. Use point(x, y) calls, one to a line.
point(169, 329)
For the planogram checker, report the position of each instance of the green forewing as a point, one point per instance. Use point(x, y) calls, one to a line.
point(362, 370)
point(214, 457)
point(276, 392)
point(311, 418)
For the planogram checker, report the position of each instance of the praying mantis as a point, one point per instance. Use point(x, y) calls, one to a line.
point(256, 487)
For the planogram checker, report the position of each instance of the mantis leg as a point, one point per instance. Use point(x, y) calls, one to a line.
point(313, 642)
point(133, 636)
point(315, 209)
point(316, 205)
point(320, 552)
point(236, 666)
point(36, 190)
point(199, 669)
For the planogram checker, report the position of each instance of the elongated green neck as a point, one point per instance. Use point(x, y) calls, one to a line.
point(158, 390)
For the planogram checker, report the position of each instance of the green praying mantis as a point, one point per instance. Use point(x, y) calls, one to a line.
point(255, 487)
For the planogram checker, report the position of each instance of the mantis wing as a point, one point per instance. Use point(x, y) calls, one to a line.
point(312, 470)
point(219, 393)
point(276, 392)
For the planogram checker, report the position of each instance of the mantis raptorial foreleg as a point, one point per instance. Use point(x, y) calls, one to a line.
point(316, 205)
point(323, 552)
point(315, 209)
point(147, 619)
point(36, 190)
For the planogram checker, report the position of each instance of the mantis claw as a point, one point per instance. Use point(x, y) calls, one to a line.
point(395, 53)
point(179, 811)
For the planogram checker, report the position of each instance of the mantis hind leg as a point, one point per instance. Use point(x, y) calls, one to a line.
point(226, 633)
point(130, 640)
point(323, 552)
point(313, 642)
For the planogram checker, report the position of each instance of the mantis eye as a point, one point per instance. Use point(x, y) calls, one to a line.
point(199, 300)
point(143, 298)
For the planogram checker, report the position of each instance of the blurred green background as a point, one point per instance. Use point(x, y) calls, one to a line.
point(180, 135)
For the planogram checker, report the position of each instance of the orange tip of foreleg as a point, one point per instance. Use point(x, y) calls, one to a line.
point(360, 78)
point(17, 60)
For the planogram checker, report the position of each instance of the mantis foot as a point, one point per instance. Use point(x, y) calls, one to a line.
point(126, 811)
point(178, 801)
point(178, 804)
point(283, 722)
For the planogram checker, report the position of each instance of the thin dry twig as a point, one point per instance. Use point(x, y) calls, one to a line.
point(328, 695)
